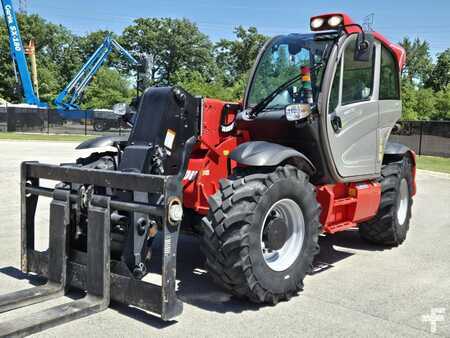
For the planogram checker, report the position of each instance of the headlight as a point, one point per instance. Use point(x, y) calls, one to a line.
point(175, 211)
point(296, 112)
point(335, 21)
point(317, 23)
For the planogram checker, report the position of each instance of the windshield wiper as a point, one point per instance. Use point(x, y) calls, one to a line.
point(253, 112)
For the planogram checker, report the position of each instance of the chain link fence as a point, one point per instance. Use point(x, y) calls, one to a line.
point(425, 137)
point(50, 121)
point(430, 138)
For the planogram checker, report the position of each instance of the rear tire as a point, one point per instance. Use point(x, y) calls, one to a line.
point(101, 125)
point(236, 233)
point(391, 224)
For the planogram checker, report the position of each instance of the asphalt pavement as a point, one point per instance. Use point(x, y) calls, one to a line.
point(363, 290)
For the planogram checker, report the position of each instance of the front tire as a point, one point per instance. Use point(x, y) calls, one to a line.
point(391, 224)
point(260, 236)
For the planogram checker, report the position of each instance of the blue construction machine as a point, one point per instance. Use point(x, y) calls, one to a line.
point(67, 101)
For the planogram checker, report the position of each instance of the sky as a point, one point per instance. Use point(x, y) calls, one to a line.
point(429, 20)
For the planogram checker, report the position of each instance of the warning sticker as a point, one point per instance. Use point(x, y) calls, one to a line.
point(170, 138)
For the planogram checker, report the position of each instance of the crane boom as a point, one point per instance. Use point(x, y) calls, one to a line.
point(18, 54)
point(68, 97)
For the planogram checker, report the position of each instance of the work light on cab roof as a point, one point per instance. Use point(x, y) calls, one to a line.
point(331, 21)
point(343, 22)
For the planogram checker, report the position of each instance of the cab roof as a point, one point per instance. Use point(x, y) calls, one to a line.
point(350, 27)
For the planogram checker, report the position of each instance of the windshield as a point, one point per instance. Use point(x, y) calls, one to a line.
point(282, 60)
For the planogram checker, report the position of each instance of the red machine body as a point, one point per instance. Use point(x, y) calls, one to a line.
point(343, 205)
point(209, 161)
point(346, 205)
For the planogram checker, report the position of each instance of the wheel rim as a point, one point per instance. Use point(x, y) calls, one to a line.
point(291, 213)
point(99, 126)
point(402, 209)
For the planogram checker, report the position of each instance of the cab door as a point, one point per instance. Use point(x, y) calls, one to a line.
point(353, 113)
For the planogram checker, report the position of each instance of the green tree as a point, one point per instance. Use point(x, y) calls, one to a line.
point(442, 105)
point(88, 44)
point(175, 44)
point(425, 104)
point(108, 88)
point(440, 75)
point(197, 84)
point(418, 60)
point(409, 101)
point(235, 58)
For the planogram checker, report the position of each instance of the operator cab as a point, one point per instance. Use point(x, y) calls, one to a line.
point(333, 95)
point(282, 59)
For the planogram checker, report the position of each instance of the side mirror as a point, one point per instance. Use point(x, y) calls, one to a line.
point(120, 109)
point(363, 48)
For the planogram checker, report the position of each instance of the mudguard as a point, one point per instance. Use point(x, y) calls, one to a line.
point(104, 141)
point(267, 154)
point(396, 151)
point(393, 148)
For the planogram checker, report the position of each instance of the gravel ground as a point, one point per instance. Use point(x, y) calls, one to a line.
point(366, 290)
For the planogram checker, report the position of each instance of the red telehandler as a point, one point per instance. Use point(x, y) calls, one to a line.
point(305, 153)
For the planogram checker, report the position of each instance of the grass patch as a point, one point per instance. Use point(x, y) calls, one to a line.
point(432, 163)
point(44, 137)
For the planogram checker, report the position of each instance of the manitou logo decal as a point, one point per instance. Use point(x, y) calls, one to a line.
point(13, 30)
point(190, 175)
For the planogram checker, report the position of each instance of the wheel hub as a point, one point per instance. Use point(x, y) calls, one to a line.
point(282, 234)
point(275, 233)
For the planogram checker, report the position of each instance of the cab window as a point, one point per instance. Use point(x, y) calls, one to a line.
point(389, 76)
point(357, 80)
point(334, 95)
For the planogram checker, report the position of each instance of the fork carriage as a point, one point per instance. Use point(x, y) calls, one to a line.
point(103, 279)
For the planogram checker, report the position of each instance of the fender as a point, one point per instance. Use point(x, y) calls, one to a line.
point(104, 141)
point(267, 154)
point(396, 151)
point(393, 148)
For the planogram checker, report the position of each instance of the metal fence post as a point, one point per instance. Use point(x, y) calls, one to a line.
point(85, 122)
point(420, 137)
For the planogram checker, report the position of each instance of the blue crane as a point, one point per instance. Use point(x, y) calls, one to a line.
point(67, 99)
point(18, 55)
point(69, 96)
